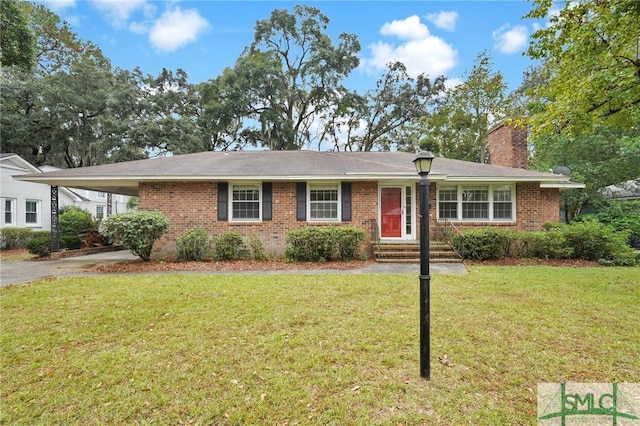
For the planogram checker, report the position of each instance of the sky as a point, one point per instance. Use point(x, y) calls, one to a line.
point(204, 37)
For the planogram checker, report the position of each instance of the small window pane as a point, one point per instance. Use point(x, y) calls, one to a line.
point(502, 210)
point(502, 193)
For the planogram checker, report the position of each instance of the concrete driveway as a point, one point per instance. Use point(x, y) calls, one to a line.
point(22, 271)
point(17, 271)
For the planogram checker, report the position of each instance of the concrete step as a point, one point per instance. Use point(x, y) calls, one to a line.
point(404, 252)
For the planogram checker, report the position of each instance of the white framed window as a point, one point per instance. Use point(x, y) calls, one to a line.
point(102, 195)
point(99, 212)
point(32, 212)
point(9, 210)
point(478, 203)
point(246, 202)
point(475, 202)
point(324, 202)
point(502, 202)
point(448, 202)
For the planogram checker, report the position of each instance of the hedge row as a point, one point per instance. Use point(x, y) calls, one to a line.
point(324, 243)
point(589, 240)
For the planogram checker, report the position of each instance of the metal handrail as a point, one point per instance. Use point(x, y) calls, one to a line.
point(375, 236)
point(447, 234)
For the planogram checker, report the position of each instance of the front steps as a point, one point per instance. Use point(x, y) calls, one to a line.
point(409, 252)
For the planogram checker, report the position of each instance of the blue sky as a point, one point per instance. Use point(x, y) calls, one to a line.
point(203, 37)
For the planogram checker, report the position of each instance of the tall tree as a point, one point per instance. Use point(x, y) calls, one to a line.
point(289, 75)
point(459, 127)
point(607, 156)
point(17, 44)
point(590, 56)
point(380, 118)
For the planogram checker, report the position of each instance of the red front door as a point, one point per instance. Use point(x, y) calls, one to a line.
point(391, 212)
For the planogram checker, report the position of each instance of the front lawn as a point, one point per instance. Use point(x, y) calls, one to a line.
point(310, 349)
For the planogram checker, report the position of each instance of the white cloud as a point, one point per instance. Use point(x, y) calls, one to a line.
point(510, 39)
point(421, 53)
point(406, 29)
point(443, 20)
point(118, 12)
point(177, 28)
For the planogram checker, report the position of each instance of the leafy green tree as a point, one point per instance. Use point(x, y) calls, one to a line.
point(17, 44)
point(379, 118)
point(459, 126)
point(76, 110)
point(290, 74)
point(590, 61)
point(607, 156)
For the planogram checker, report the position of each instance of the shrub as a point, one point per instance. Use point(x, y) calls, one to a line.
point(228, 246)
point(592, 240)
point(15, 238)
point(40, 246)
point(74, 220)
point(136, 231)
point(70, 242)
point(256, 246)
point(193, 245)
point(323, 243)
point(482, 244)
point(544, 245)
point(348, 240)
point(623, 216)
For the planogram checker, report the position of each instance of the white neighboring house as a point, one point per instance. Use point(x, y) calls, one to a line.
point(28, 205)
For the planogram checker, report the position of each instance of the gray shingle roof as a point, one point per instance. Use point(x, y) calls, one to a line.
point(279, 165)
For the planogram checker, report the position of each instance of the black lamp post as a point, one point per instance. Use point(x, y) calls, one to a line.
point(423, 167)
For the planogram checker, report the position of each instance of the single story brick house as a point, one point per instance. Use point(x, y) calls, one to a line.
point(272, 192)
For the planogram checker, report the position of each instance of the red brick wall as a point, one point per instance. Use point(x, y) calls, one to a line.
point(188, 204)
point(535, 206)
point(508, 146)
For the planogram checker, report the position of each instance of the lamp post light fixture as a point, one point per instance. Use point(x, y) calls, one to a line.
point(423, 163)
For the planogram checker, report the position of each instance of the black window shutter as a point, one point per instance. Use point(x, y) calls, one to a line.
point(301, 201)
point(267, 190)
point(223, 201)
point(346, 201)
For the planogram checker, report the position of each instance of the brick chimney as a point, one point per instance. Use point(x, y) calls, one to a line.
point(508, 146)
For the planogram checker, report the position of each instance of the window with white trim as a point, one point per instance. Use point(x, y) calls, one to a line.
point(324, 204)
point(32, 212)
point(99, 212)
point(245, 202)
point(502, 203)
point(102, 195)
point(448, 202)
point(476, 202)
point(9, 205)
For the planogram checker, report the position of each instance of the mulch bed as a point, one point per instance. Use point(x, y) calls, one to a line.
point(226, 266)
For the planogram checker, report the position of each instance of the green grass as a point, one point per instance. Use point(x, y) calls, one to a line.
point(310, 349)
